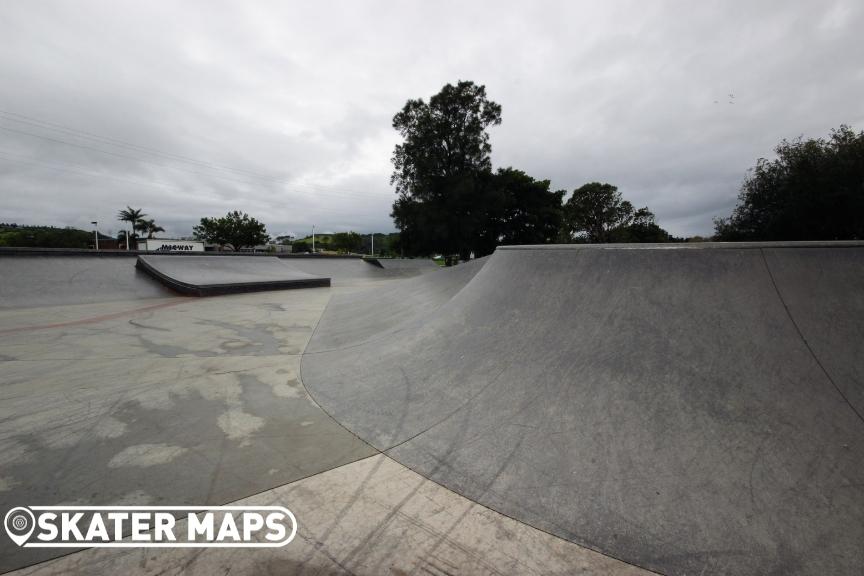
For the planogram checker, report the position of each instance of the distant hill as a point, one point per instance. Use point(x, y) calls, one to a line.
point(15, 235)
point(319, 238)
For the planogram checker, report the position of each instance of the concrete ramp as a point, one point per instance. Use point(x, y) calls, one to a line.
point(380, 312)
point(212, 275)
point(342, 271)
point(418, 265)
point(356, 271)
point(30, 281)
point(688, 409)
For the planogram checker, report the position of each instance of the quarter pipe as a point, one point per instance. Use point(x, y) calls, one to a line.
point(686, 409)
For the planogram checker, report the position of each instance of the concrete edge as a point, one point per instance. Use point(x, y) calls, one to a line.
point(693, 245)
point(374, 262)
point(235, 288)
point(304, 255)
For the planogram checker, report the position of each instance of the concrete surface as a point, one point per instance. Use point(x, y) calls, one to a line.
point(692, 411)
point(210, 276)
point(370, 517)
point(364, 315)
point(351, 271)
point(56, 280)
point(159, 401)
point(421, 265)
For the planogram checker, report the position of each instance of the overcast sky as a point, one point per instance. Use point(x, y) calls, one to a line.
point(283, 109)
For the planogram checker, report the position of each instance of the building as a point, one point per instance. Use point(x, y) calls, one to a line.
point(169, 245)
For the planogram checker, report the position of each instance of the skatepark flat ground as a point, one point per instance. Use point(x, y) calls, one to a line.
point(556, 411)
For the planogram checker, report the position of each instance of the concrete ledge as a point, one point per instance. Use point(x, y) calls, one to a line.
point(231, 276)
point(307, 256)
point(692, 245)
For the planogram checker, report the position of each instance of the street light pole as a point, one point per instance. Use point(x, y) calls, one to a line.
point(373, 244)
point(96, 233)
point(313, 238)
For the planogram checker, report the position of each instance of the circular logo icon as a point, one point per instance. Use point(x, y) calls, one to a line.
point(19, 523)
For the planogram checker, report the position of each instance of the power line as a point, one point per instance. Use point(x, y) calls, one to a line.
point(5, 154)
point(43, 124)
point(328, 192)
point(23, 119)
point(154, 183)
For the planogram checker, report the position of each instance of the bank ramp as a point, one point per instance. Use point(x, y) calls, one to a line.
point(33, 281)
point(688, 409)
point(212, 275)
point(356, 271)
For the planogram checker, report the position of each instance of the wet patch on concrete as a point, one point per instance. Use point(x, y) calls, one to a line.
point(165, 431)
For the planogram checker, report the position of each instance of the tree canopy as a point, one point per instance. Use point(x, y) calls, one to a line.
point(597, 213)
point(439, 166)
point(451, 202)
point(443, 139)
point(45, 237)
point(133, 217)
point(519, 210)
point(813, 190)
point(149, 227)
point(347, 242)
point(236, 229)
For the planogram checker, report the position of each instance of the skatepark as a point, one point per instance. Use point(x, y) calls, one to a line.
point(580, 409)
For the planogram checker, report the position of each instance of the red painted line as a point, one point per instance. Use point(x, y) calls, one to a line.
point(95, 319)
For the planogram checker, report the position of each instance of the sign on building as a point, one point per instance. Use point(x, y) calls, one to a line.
point(169, 245)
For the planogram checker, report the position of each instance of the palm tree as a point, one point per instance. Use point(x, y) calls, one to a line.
point(131, 215)
point(150, 228)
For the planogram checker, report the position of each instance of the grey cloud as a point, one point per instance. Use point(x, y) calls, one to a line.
point(289, 104)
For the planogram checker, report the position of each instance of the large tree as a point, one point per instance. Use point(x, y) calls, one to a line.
point(597, 213)
point(439, 166)
point(813, 190)
point(236, 229)
point(519, 210)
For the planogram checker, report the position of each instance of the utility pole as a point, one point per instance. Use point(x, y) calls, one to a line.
point(373, 244)
point(96, 233)
point(313, 238)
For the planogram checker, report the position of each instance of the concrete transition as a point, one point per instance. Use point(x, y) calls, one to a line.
point(420, 265)
point(692, 409)
point(357, 271)
point(209, 276)
point(355, 317)
point(60, 280)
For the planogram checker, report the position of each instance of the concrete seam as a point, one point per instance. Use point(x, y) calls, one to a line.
point(524, 523)
point(804, 338)
point(229, 503)
point(309, 393)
